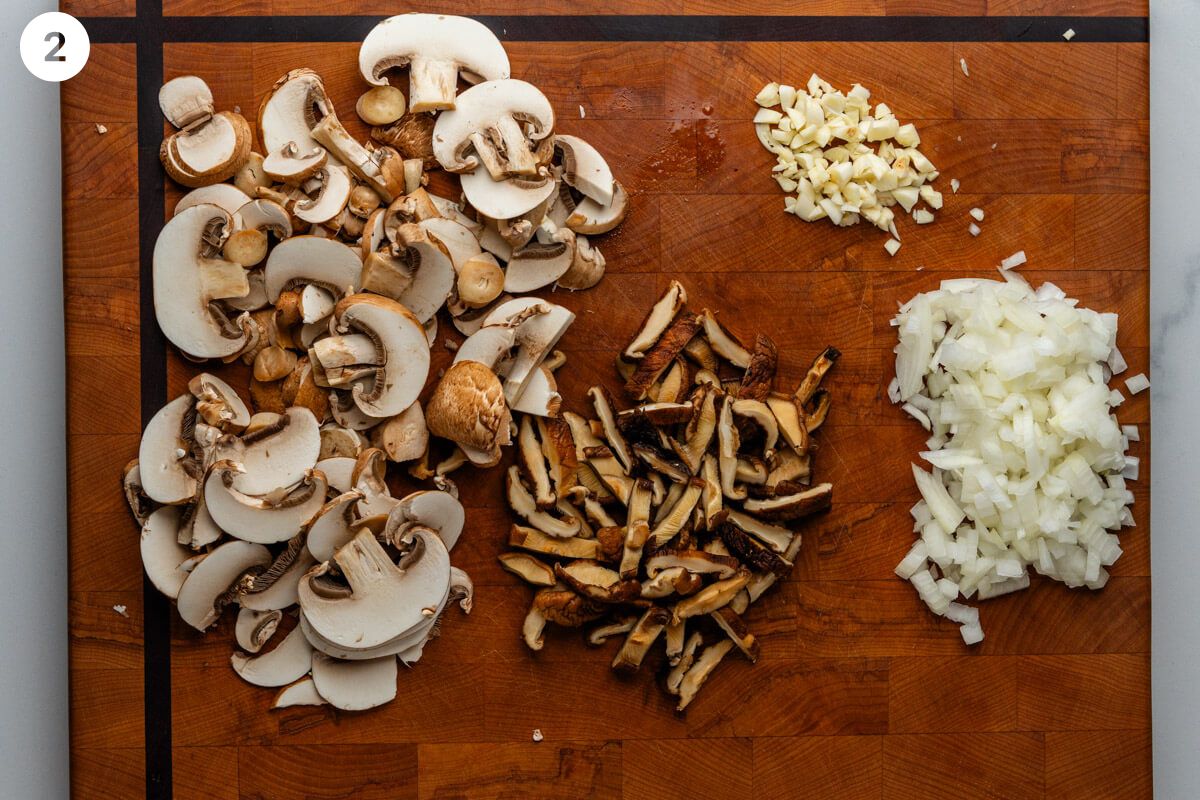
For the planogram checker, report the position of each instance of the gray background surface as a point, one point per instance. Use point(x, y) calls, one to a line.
point(33, 519)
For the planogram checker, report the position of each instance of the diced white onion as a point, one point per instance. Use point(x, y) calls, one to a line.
point(1137, 383)
point(1131, 433)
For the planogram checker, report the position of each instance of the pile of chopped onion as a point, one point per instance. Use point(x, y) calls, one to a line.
point(1028, 462)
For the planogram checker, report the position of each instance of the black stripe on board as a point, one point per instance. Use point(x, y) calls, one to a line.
point(156, 630)
point(606, 28)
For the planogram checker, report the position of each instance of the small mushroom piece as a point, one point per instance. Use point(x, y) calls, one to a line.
point(523, 503)
point(537, 265)
point(657, 320)
point(188, 278)
point(301, 693)
point(496, 123)
point(185, 101)
point(728, 444)
point(328, 199)
point(468, 408)
point(533, 464)
point(289, 112)
point(760, 413)
point(687, 657)
point(533, 627)
point(540, 397)
point(640, 639)
point(752, 551)
point(537, 542)
point(792, 506)
point(698, 673)
point(455, 238)
point(790, 418)
point(528, 568)
point(674, 635)
point(539, 327)
point(462, 589)
point(255, 628)
point(591, 217)
point(209, 151)
point(135, 496)
point(760, 372)
point(559, 449)
point(662, 413)
point(699, 431)
point(276, 589)
point(816, 410)
point(293, 166)
point(566, 608)
point(600, 634)
point(369, 478)
point(166, 465)
point(251, 177)
point(637, 527)
point(812, 380)
point(438, 511)
point(264, 520)
point(674, 580)
point(438, 49)
point(162, 554)
point(332, 526)
point(431, 267)
point(594, 581)
point(480, 281)
point(403, 437)
point(584, 169)
point(217, 404)
point(587, 267)
point(209, 581)
point(411, 136)
point(400, 339)
point(287, 662)
point(711, 597)
point(380, 105)
point(365, 165)
point(724, 343)
point(385, 600)
point(774, 537)
point(662, 355)
point(339, 442)
point(696, 562)
point(355, 685)
point(670, 525)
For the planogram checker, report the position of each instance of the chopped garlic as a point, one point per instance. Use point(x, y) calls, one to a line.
point(101, 129)
point(974, 229)
point(931, 196)
point(977, 213)
point(1069, 34)
point(962, 62)
point(537, 735)
point(122, 610)
point(769, 96)
point(582, 113)
point(954, 184)
point(923, 217)
point(892, 246)
point(1137, 383)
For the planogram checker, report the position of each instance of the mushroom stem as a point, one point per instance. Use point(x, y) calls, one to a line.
point(432, 84)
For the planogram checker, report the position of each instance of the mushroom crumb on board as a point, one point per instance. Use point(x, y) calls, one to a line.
point(666, 520)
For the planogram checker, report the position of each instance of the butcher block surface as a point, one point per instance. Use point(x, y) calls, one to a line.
point(859, 691)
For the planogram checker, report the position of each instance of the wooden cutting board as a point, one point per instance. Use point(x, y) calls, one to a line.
point(859, 691)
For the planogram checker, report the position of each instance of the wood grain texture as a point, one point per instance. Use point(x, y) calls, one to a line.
point(859, 692)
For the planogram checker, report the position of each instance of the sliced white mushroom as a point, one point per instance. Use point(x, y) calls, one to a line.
point(163, 556)
point(536, 337)
point(432, 270)
point(536, 265)
point(300, 260)
point(165, 462)
point(294, 166)
point(339, 471)
point(225, 196)
point(330, 197)
point(296, 103)
point(218, 404)
point(301, 693)
point(505, 199)
point(457, 239)
point(210, 579)
point(277, 456)
point(400, 339)
point(289, 661)
point(332, 527)
point(592, 217)
point(354, 685)
point(255, 628)
point(261, 519)
point(281, 593)
point(585, 169)
point(495, 124)
point(541, 397)
point(439, 511)
point(403, 437)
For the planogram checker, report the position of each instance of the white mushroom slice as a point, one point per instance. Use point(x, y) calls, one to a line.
point(585, 169)
point(185, 100)
point(462, 589)
point(432, 269)
point(592, 217)
point(368, 478)
point(587, 268)
point(468, 321)
point(400, 339)
point(316, 303)
point(296, 103)
point(347, 414)
point(523, 504)
point(338, 470)
point(279, 455)
point(301, 693)
point(491, 241)
point(345, 351)
point(218, 404)
point(491, 345)
point(493, 123)
point(197, 528)
point(406, 643)
point(355, 685)
point(790, 422)
point(211, 579)
point(504, 199)
point(536, 265)
point(165, 460)
point(330, 199)
point(455, 237)
point(209, 152)
point(332, 526)
point(261, 519)
point(288, 662)
point(294, 166)
point(187, 279)
point(536, 337)
point(225, 196)
point(438, 49)
point(541, 397)
point(255, 628)
point(327, 263)
point(657, 320)
point(438, 511)
point(281, 593)
point(263, 215)
point(162, 554)
point(384, 600)
point(403, 437)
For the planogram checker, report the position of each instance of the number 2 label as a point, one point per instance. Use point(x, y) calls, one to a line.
point(53, 54)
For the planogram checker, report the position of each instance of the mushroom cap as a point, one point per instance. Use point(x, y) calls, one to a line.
point(327, 263)
point(585, 169)
point(481, 108)
point(466, 45)
point(164, 478)
point(399, 339)
point(265, 215)
point(186, 282)
point(468, 407)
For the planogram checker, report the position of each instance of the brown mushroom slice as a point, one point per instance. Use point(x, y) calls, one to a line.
point(355, 685)
point(674, 640)
point(735, 628)
point(600, 634)
point(777, 538)
point(760, 372)
point(339, 442)
point(537, 265)
point(662, 355)
point(790, 419)
point(696, 562)
point(687, 657)
point(792, 506)
point(728, 443)
point(301, 693)
point(189, 278)
point(752, 551)
point(662, 413)
point(584, 169)
point(529, 569)
point(255, 628)
point(662, 464)
point(208, 582)
point(657, 320)
point(700, 352)
point(760, 413)
point(591, 217)
point(163, 556)
point(701, 669)
point(533, 464)
point(286, 663)
point(640, 639)
point(812, 380)
point(535, 541)
point(566, 608)
point(603, 402)
point(594, 581)
point(751, 470)
point(789, 469)
point(700, 429)
point(209, 151)
point(533, 627)
point(723, 342)
point(522, 502)
point(815, 416)
point(668, 582)
point(496, 123)
point(710, 598)
point(712, 499)
point(670, 525)
point(637, 528)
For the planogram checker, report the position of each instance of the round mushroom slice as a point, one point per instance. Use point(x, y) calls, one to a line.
point(260, 519)
point(385, 600)
point(508, 198)
point(294, 106)
point(278, 455)
point(355, 685)
point(212, 577)
point(404, 643)
point(224, 196)
point(188, 278)
point(584, 169)
point(255, 628)
point(299, 260)
point(165, 462)
point(496, 123)
point(163, 556)
point(294, 166)
point(593, 217)
point(399, 339)
point(437, 49)
point(287, 662)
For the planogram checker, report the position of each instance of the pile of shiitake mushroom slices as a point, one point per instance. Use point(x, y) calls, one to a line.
point(671, 517)
point(323, 263)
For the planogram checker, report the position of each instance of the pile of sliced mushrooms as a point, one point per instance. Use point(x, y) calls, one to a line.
point(671, 517)
point(323, 262)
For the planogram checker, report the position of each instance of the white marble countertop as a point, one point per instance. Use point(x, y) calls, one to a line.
point(33, 608)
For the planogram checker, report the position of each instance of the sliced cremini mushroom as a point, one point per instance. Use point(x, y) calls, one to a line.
point(537, 265)
point(301, 693)
point(777, 538)
point(637, 527)
point(135, 497)
point(354, 685)
point(674, 521)
point(687, 657)
point(438, 511)
point(431, 267)
point(604, 404)
point(328, 198)
point(584, 169)
point(533, 464)
point(753, 551)
point(310, 260)
point(565, 608)
point(166, 464)
point(277, 456)
point(255, 628)
point(640, 638)
point(199, 596)
point(209, 147)
point(789, 416)
point(696, 562)
point(728, 443)
point(227, 197)
point(591, 217)
point(536, 336)
point(495, 124)
point(289, 661)
point(700, 670)
point(533, 628)
point(594, 581)
point(291, 109)
point(400, 339)
point(293, 166)
point(792, 506)
point(711, 597)
point(505, 199)
point(264, 520)
point(163, 556)
point(437, 49)
point(600, 634)
point(760, 372)
point(675, 580)
point(812, 379)
point(587, 266)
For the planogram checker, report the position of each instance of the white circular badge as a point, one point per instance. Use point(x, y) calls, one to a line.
point(54, 46)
